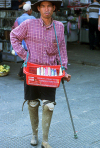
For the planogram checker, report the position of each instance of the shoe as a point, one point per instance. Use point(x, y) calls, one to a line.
point(45, 145)
point(34, 140)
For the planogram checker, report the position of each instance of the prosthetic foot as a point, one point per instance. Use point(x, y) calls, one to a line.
point(48, 108)
point(45, 145)
point(34, 140)
point(33, 112)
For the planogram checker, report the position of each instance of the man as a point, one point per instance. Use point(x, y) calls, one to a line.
point(40, 39)
point(26, 15)
point(92, 18)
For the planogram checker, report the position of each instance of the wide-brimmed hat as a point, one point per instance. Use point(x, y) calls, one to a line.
point(57, 3)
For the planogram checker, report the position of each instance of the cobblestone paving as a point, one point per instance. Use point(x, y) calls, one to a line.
point(84, 98)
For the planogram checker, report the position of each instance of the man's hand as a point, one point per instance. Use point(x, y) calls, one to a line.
point(13, 52)
point(87, 17)
point(67, 77)
point(99, 22)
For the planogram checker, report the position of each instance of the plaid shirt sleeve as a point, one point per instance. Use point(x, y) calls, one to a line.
point(62, 47)
point(16, 37)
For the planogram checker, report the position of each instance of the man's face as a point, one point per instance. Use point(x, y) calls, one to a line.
point(46, 9)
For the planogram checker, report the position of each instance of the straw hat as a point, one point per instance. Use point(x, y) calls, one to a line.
point(57, 3)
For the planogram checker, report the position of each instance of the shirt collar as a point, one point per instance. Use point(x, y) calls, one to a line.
point(42, 23)
point(25, 14)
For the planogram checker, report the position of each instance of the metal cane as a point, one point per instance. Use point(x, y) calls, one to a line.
point(75, 135)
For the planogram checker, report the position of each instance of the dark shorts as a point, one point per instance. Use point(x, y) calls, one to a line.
point(38, 92)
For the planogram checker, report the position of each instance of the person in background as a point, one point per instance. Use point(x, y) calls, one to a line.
point(1, 50)
point(17, 4)
point(92, 18)
point(40, 39)
point(0, 55)
point(26, 15)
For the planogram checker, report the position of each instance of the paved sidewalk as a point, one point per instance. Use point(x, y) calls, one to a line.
point(84, 98)
point(80, 53)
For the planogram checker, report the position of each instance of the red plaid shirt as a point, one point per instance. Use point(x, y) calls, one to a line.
point(41, 42)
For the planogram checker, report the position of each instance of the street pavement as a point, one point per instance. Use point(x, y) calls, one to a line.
point(83, 93)
point(80, 53)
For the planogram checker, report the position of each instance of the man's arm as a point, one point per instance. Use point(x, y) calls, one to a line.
point(62, 47)
point(21, 5)
point(87, 14)
point(63, 53)
point(99, 21)
point(16, 37)
point(87, 17)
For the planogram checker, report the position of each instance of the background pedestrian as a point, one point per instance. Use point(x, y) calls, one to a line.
point(92, 18)
point(26, 15)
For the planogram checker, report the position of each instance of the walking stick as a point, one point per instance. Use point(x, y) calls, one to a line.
point(75, 135)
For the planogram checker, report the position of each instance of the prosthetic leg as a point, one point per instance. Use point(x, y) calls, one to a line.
point(33, 111)
point(48, 108)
